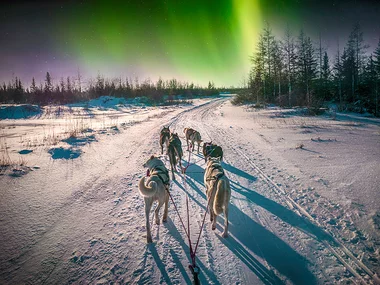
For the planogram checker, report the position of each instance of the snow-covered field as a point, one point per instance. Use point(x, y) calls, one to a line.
point(304, 207)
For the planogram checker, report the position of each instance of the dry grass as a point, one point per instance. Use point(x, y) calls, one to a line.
point(5, 159)
point(76, 128)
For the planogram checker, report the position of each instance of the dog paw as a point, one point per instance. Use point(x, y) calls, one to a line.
point(149, 240)
point(225, 235)
point(164, 220)
point(213, 228)
point(157, 222)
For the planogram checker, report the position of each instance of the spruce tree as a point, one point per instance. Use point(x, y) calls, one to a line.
point(290, 61)
point(376, 62)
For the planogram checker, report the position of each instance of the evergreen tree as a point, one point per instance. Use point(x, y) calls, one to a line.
point(99, 86)
point(268, 39)
point(354, 63)
point(257, 83)
point(325, 78)
point(277, 57)
point(62, 85)
point(337, 74)
point(33, 87)
point(376, 63)
point(306, 66)
point(289, 49)
point(17, 91)
point(48, 84)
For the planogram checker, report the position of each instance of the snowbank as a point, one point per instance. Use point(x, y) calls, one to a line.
point(19, 111)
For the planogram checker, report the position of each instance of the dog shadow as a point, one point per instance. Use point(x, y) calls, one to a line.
point(286, 215)
point(265, 244)
point(160, 265)
point(196, 173)
point(180, 186)
point(238, 171)
point(266, 276)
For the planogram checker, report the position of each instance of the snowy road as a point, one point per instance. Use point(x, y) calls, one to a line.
point(82, 221)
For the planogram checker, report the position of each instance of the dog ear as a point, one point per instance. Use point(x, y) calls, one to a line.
point(152, 157)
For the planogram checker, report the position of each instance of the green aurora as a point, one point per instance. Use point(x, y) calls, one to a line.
point(189, 40)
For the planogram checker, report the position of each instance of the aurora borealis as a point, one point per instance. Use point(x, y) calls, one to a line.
point(192, 40)
point(189, 40)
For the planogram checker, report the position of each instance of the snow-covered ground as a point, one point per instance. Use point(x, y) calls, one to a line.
point(304, 207)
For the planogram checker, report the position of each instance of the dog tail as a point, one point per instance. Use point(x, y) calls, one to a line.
point(222, 196)
point(147, 190)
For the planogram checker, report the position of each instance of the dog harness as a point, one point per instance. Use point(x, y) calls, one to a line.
point(162, 173)
point(210, 149)
point(175, 142)
point(213, 150)
point(216, 173)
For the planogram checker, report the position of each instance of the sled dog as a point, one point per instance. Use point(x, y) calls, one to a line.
point(218, 192)
point(212, 150)
point(164, 139)
point(192, 136)
point(175, 152)
point(155, 187)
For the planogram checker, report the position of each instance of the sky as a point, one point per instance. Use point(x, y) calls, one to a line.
point(196, 41)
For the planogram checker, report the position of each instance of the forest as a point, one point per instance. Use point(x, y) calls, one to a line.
point(72, 89)
point(295, 71)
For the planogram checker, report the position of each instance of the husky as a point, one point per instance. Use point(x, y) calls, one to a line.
point(212, 150)
point(218, 192)
point(164, 139)
point(192, 136)
point(175, 152)
point(155, 188)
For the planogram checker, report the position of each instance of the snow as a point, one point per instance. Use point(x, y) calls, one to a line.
point(8, 111)
point(72, 212)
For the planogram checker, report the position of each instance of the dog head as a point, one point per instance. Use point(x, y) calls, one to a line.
point(188, 131)
point(213, 160)
point(174, 136)
point(165, 130)
point(207, 147)
point(153, 162)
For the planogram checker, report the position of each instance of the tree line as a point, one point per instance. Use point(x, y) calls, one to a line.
point(70, 90)
point(296, 71)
